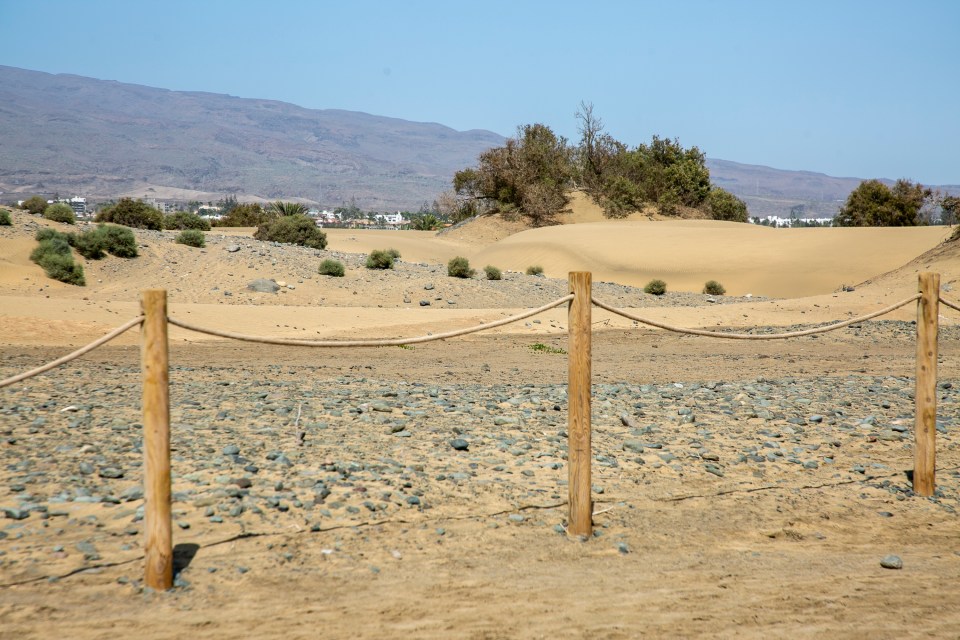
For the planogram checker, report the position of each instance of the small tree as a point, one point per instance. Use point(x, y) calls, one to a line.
point(379, 259)
point(723, 205)
point(35, 205)
point(333, 268)
point(873, 204)
point(459, 267)
point(60, 212)
point(244, 215)
point(185, 220)
point(951, 210)
point(132, 213)
point(292, 229)
point(492, 272)
point(714, 288)
point(656, 287)
point(191, 238)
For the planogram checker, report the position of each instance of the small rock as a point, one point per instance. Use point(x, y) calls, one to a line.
point(459, 444)
point(891, 562)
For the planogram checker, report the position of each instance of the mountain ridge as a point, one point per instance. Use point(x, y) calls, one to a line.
point(104, 139)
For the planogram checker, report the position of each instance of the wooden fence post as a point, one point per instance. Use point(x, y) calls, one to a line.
point(925, 425)
point(578, 400)
point(154, 355)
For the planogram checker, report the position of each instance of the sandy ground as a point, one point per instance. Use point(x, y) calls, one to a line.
point(794, 554)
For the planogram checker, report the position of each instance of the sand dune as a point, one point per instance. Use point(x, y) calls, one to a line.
point(745, 258)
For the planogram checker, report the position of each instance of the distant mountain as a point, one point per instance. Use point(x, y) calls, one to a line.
point(102, 139)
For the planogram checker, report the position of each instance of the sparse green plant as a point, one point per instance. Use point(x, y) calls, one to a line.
point(459, 267)
point(393, 253)
point(47, 233)
point(54, 256)
point(60, 212)
point(656, 287)
point(185, 220)
point(191, 238)
point(534, 270)
point(714, 288)
point(379, 259)
point(35, 205)
point(94, 244)
point(539, 347)
point(132, 213)
point(119, 241)
point(492, 272)
point(333, 268)
point(91, 244)
point(292, 229)
point(5, 220)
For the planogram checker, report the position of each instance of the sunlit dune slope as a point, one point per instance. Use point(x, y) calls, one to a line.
point(687, 253)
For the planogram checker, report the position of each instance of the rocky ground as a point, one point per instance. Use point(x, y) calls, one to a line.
point(362, 470)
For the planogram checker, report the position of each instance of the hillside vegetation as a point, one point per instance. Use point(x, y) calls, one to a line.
point(534, 173)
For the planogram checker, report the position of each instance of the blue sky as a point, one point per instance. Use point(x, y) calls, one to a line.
point(848, 88)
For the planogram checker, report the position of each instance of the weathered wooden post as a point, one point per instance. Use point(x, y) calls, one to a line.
point(578, 400)
point(154, 355)
point(925, 425)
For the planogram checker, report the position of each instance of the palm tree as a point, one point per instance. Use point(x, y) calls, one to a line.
point(426, 222)
point(281, 208)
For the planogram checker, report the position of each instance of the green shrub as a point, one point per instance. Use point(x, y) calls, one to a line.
point(539, 347)
point(459, 267)
point(379, 259)
point(91, 244)
point(534, 270)
point(94, 244)
point(35, 205)
point(5, 220)
point(46, 233)
point(492, 272)
point(60, 212)
point(295, 229)
point(714, 288)
point(191, 238)
point(54, 256)
point(393, 253)
point(185, 220)
point(331, 268)
point(244, 215)
point(132, 213)
point(656, 287)
point(119, 241)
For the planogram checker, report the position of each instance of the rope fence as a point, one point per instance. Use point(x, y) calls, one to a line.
point(952, 305)
point(750, 336)
point(389, 342)
point(154, 322)
point(6, 382)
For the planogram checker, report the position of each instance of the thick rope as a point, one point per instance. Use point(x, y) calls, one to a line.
point(72, 356)
point(390, 342)
point(750, 336)
point(949, 304)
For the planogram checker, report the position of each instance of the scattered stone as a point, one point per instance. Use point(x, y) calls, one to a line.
point(891, 562)
point(263, 285)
